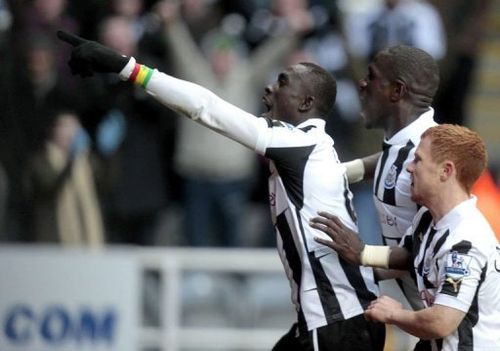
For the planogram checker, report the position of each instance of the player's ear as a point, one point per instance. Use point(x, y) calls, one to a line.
point(447, 170)
point(398, 90)
point(306, 104)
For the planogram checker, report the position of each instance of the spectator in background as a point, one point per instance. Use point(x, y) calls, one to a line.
point(465, 21)
point(134, 172)
point(61, 185)
point(133, 11)
point(409, 22)
point(5, 24)
point(216, 192)
point(43, 18)
point(4, 192)
point(34, 88)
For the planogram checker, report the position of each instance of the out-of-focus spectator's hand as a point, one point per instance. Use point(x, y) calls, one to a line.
point(80, 143)
point(88, 56)
point(300, 20)
point(111, 132)
point(343, 240)
point(168, 11)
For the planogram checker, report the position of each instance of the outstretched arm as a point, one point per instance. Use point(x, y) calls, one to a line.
point(362, 168)
point(194, 101)
point(349, 245)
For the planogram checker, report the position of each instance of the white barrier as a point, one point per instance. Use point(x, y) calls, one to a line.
point(78, 300)
point(71, 299)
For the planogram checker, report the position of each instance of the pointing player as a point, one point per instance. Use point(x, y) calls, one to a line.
point(330, 295)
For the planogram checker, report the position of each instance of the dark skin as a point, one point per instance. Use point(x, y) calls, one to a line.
point(389, 104)
point(290, 98)
point(349, 245)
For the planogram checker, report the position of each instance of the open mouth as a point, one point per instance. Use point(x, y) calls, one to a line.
point(267, 104)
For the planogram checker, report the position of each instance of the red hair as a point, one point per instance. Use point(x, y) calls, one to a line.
point(463, 147)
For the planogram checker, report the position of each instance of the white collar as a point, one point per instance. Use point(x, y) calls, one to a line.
point(458, 212)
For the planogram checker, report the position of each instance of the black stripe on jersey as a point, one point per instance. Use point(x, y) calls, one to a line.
point(329, 301)
point(291, 253)
point(390, 194)
point(462, 247)
point(273, 122)
point(293, 259)
point(408, 243)
point(290, 163)
point(440, 242)
point(348, 202)
point(419, 232)
point(451, 286)
point(353, 274)
point(408, 246)
point(465, 336)
point(383, 160)
point(430, 236)
point(307, 128)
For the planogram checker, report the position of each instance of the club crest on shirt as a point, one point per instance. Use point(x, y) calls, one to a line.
point(390, 178)
point(457, 265)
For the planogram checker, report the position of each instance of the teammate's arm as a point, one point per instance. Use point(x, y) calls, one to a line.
point(362, 168)
point(434, 322)
point(351, 247)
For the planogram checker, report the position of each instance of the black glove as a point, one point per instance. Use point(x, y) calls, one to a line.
point(88, 56)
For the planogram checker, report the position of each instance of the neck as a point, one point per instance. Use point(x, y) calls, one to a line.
point(445, 201)
point(302, 118)
point(403, 117)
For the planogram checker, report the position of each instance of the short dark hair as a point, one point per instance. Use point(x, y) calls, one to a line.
point(415, 67)
point(324, 86)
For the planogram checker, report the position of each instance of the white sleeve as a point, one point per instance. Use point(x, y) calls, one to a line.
point(204, 107)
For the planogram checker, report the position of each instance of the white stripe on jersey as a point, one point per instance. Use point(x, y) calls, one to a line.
point(457, 264)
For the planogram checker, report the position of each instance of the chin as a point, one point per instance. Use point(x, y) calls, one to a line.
point(367, 123)
point(417, 199)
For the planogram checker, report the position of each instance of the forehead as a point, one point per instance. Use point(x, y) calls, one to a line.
point(381, 64)
point(424, 147)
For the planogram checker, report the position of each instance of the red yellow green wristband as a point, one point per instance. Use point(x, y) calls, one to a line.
point(141, 75)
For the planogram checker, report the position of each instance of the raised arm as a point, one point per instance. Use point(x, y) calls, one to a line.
point(189, 61)
point(192, 100)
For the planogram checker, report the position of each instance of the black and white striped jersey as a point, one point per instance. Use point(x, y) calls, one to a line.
point(306, 177)
point(392, 183)
point(457, 264)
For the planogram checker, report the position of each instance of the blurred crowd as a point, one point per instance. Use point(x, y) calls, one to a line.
point(95, 161)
